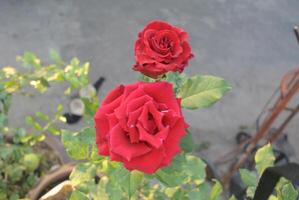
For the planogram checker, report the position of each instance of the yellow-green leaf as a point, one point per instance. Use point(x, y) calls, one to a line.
point(264, 158)
point(202, 91)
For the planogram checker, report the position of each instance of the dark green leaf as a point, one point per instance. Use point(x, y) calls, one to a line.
point(195, 168)
point(200, 193)
point(136, 179)
point(173, 175)
point(187, 143)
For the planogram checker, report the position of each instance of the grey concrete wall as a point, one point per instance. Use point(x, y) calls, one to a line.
point(248, 42)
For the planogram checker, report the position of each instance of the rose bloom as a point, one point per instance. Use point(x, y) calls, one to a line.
point(140, 125)
point(161, 48)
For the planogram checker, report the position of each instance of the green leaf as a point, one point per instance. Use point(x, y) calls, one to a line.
point(180, 194)
point(173, 175)
point(90, 105)
point(272, 197)
point(233, 198)
point(30, 60)
point(44, 82)
point(187, 143)
point(144, 78)
point(136, 179)
point(288, 192)
point(54, 55)
point(119, 182)
point(94, 155)
point(250, 191)
point(248, 178)
point(30, 121)
point(216, 191)
point(264, 158)
point(53, 130)
point(102, 187)
point(31, 161)
point(176, 79)
point(83, 172)
point(201, 192)
point(183, 168)
point(59, 110)
point(77, 195)
point(75, 62)
point(42, 116)
point(78, 145)
point(171, 191)
point(202, 91)
point(195, 168)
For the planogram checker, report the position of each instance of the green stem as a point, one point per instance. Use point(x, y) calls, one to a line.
point(129, 185)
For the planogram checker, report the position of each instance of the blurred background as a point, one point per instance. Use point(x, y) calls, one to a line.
point(249, 43)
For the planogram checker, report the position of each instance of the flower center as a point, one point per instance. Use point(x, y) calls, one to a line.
point(165, 43)
point(152, 127)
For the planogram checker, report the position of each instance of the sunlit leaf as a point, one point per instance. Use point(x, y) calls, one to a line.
point(216, 191)
point(202, 91)
point(264, 158)
point(83, 172)
point(78, 145)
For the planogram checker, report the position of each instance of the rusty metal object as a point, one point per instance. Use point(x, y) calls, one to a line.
point(288, 88)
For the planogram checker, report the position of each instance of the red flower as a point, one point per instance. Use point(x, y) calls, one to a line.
point(161, 48)
point(141, 126)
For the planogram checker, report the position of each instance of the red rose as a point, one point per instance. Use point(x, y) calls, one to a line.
point(161, 48)
point(141, 125)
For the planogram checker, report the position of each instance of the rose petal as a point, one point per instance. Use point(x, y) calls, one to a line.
point(157, 115)
point(133, 117)
point(158, 25)
point(103, 148)
point(148, 163)
point(182, 60)
point(138, 102)
point(167, 96)
point(134, 135)
point(154, 140)
point(149, 69)
point(172, 142)
point(112, 120)
point(170, 118)
point(121, 145)
point(113, 95)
